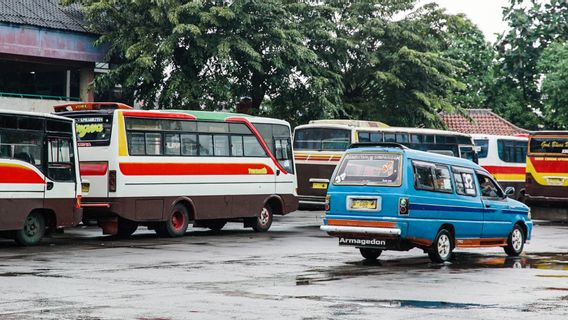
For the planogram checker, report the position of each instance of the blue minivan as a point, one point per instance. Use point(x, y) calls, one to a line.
point(388, 197)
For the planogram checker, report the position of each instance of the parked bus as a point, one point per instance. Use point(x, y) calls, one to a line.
point(168, 170)
point(319, 145)
point(39, 181)
point(547, 169)
point(504, 157)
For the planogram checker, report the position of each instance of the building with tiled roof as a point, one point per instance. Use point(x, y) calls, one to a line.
point(483, 121)
point(47, 56)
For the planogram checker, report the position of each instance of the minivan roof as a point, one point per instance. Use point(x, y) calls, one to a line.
point(421, 155)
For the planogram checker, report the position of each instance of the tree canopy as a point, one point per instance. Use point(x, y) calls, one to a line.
point(396, 61)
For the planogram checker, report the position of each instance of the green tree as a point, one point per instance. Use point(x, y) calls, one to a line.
point(464, 42)
point(297, 60)
point(553, 64)
point(533, 26)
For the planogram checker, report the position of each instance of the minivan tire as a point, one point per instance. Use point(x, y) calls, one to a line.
point(370, 254)
point(441, 249)
point(32, 231)
point(515, 242)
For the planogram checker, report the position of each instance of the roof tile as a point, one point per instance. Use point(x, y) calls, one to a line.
point(42, 13)
point(484, 121)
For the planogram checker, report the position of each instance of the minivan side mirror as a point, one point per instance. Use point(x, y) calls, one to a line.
point(509, 191)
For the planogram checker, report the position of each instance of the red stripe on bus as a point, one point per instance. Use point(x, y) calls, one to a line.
point(93, 168)
point(505, 170)
point(160, 115)
point(193, 169)
point(14, 173)
point(550, 165)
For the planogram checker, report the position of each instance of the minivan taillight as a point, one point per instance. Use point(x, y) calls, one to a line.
point(112, 181)
point(327, 203)
point(403, 206)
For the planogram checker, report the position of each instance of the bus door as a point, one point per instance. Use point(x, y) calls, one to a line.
point(60, 187)
point(283, 154)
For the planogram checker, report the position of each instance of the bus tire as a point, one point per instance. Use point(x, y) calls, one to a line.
point(176, 224)
point(126, 227)
point(33, 230)
point(216, 225)
point(370, 254)
point(441, 249)
point(264, 219)
point(515, 242)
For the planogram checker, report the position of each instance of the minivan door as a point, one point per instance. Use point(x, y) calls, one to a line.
point(60, 187)
point(495, 224)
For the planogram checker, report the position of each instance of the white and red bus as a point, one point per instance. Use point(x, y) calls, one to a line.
point(170, 169)
point(505, 158)
point(39, 176)
point(319, 145)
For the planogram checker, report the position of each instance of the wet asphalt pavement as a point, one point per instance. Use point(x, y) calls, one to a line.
point(294, 271)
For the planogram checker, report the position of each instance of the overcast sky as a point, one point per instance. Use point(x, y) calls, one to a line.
point(487, 14)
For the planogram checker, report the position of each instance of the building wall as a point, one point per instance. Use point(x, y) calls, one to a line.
point(35, 105)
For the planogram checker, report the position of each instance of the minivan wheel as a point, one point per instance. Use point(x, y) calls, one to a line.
point(441, 249)
point(33, 230)
point(370, 254)
point(516, 241)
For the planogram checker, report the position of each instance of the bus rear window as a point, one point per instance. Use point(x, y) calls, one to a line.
point(554, 145)
point(93, 130)
point(383, 169)
point(322, 139)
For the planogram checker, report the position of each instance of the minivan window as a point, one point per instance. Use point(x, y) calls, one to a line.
point(465, 184)
point(489, 188)
point(383, 169)
point(432, 177)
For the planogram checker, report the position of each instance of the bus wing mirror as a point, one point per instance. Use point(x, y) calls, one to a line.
point(509, 191)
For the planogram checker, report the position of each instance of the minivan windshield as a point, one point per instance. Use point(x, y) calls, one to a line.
point(382, 169)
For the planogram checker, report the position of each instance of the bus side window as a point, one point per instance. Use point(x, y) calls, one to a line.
point(60, 159)
point(252, 147)
point(22, 145)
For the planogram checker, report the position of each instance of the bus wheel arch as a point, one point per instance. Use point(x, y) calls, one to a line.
point(276, 204)
point(188, 203)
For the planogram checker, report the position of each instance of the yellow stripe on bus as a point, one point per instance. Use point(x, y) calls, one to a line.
point(539, 177)
point(509, 177)
point(122, 149)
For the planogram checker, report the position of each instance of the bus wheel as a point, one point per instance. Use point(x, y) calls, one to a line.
point(264, 219)
point(370, 254)
point(216, 225)
point(516, 241)
point(33, 231)
point(176, 224)
point(126, 227)
point(441, 250)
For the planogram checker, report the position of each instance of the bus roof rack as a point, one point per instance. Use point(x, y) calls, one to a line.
point(377, 144)
point(86, 106)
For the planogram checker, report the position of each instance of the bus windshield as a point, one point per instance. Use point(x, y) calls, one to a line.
point(93, 130)
point(322, 139)
point(550, 145)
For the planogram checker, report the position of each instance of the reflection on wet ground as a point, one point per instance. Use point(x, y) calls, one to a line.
point(461, 262)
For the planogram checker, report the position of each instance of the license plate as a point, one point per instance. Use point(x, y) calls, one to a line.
point(85, 187)
point(370, 243)
point(364, 204)
point(555, 181)
point(319, 185)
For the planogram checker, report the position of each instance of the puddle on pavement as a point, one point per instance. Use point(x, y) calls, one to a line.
point(461, 262)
